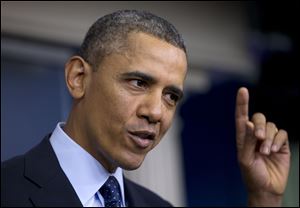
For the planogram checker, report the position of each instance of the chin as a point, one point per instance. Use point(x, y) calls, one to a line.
point(131, 167)
point(132, 163)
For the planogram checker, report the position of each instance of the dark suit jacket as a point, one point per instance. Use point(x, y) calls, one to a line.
point(36, 179)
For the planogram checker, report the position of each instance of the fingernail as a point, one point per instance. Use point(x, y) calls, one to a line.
point(266, 150)
point(274, 147)
point(260, 133)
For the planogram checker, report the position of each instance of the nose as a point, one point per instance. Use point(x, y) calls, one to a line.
point(151, 108)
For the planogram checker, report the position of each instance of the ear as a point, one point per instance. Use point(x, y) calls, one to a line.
point(76, 74)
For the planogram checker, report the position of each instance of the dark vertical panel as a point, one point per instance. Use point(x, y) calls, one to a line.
point(32, 102)
point(208, 139)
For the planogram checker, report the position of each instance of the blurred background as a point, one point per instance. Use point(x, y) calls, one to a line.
point(230, 44)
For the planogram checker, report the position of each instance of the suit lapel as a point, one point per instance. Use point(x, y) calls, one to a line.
point(57, 192)
point(42, 168)
point(133, 196)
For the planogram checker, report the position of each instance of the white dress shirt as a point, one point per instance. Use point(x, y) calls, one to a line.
point(84, 172)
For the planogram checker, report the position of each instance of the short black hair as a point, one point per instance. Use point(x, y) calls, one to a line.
point(110, 32)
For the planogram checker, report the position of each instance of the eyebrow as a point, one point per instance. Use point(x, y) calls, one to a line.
point(150, 79)
point(140, 75)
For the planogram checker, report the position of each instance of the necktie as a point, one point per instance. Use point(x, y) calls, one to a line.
point(111, 193)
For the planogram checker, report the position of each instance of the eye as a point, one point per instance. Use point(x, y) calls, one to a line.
point(172, 98)
point(138, 83)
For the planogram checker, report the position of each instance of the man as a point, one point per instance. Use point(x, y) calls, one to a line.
point(126, 83)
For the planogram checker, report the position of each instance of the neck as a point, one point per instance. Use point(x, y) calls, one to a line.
point(75, 130)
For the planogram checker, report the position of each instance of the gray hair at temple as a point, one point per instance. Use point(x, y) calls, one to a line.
point(110, 32)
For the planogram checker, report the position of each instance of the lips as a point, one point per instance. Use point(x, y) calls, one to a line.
point(142, 139)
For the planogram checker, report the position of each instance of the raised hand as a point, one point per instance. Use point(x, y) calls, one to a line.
point(263, 154)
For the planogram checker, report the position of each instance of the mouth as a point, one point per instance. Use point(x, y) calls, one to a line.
point(142, 139)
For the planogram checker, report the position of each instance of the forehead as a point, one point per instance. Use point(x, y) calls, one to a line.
point(156, 56)
point(140, 42)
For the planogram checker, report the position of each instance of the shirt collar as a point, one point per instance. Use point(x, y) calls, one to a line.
point(84, 172)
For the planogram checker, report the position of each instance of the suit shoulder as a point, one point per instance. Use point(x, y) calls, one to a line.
point(13, 183)
point(12, 172)
point(146, 195)
point(13, 164)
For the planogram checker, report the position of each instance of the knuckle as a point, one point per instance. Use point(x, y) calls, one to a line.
point(258, 114)
point(284, 133)
point(259, 118)
point(271, 125)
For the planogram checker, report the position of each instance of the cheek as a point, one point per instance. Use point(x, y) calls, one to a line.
point(166, 123)
point(119, 106)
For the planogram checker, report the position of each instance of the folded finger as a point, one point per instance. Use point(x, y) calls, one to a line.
point(280, 140)
point(271, 131)
point(259, 121)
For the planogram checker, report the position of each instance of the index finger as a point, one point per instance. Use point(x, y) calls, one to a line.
point(241, 115)
point(242, 103)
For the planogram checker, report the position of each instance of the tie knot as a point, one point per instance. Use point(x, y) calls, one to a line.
point(111, 193)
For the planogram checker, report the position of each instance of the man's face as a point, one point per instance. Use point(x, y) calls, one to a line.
point(130, 101)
